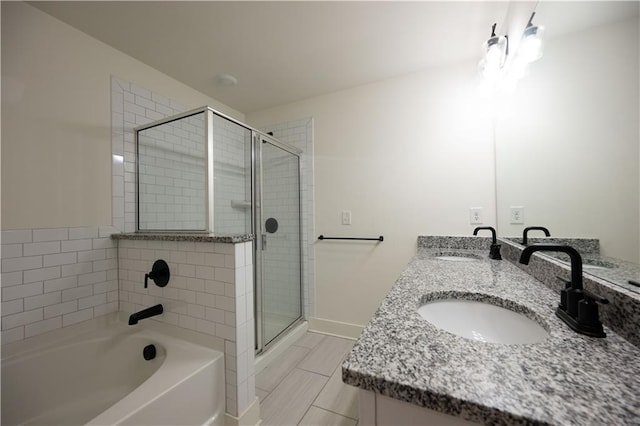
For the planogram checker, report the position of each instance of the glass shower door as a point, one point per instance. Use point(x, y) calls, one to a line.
point(278, 245)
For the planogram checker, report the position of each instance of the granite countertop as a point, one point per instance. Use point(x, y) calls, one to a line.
point(197, 237)
point(568, 379)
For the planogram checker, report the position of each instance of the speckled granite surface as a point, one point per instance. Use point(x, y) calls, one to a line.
point(442, 242)
point(569, 379)
point(201, 238)
point(583, 245)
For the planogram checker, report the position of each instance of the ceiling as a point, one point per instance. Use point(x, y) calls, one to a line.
point(282, 52)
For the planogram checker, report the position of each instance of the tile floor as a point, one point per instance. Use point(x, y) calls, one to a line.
point(304, 385)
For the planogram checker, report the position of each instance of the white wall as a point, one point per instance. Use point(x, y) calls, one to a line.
point(406, 156)
point(56, 130)
point(567, 141)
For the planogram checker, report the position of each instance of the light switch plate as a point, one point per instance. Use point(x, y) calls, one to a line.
point(346, 217)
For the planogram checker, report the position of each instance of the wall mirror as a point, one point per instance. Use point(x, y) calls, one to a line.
point(567, 139)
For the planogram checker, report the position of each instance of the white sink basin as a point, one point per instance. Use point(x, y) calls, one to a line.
point(453, 256)
point(482, 322)
point(456, 258)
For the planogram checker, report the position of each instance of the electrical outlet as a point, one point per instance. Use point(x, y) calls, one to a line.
point(475, 215)
point(346, 217)
point(517, 215)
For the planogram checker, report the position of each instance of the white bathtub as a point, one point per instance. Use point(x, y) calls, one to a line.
point(100, 377)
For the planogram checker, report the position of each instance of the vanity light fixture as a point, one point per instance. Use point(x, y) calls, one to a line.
point(531, 44)
point(496, 49)
point(502, 71)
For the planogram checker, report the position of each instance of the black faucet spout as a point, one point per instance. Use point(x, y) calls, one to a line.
point(494, 252)
point(145, 313)
point(533, 228)
point(494, 239)
point(576, 259)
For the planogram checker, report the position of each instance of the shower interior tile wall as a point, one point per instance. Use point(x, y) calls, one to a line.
point(52, 278)
point(173, 167)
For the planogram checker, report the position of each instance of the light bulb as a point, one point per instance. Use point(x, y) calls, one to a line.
point(496, 50)
point(531, 45)
point(495, 54)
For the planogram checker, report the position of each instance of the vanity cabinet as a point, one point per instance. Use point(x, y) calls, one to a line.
point(381, 410)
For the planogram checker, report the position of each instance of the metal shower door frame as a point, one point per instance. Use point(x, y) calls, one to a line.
point(259, 139)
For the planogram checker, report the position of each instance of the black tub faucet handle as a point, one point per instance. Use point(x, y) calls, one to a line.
point(159, 274)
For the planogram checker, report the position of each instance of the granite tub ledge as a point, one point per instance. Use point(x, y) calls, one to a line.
point(177, 236)
point(567, 379)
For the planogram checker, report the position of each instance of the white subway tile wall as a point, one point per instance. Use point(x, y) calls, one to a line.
point(131, 106)
point(210, 291)
point(52, 278)
point(173, 167)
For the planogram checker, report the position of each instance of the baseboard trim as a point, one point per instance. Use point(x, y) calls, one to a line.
point(335, 328)
point(250, 416)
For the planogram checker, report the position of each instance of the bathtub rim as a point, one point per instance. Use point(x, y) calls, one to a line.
point(119, 319)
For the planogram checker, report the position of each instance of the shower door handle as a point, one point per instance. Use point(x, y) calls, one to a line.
point(264, 241)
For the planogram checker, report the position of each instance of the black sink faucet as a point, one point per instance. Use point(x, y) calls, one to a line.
point(494, 251)
point(533, 228)
point(145, 313)
point(578, 307)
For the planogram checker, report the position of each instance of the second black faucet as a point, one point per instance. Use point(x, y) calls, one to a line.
point(533, 228)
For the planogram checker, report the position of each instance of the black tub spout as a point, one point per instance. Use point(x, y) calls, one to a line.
point(145, 313)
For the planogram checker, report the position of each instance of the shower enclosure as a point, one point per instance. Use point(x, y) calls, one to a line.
point(202, 171)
